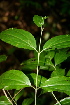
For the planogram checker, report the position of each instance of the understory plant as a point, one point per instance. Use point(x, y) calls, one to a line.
point(49, 57)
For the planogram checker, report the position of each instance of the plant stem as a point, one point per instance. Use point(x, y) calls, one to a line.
point(40, 39)
point(7, 96)
point(12, 98)
point(35, 95)
point(56, 98)
point(38, 66)
point(36, 79)
point(17, 93)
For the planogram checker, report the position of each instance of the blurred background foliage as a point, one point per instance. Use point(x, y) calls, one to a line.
point(19, 14)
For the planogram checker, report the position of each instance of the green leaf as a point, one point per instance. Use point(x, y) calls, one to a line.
point(50, 54)
point(4, 101)
point(49, 63)
point(29, 64)
point(61, 84)
point(32, 78)
point(68, 73)
point(18, 38)
point(3, 58)
point(60, 57)
point(28, 67)
point(58, 72)
point(32, 63)
point(44, 67)
point(38, 20)
point(65, 101)
point(14, 79)
point(27, 101)
point(61, 41)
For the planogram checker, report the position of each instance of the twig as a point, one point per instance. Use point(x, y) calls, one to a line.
point(12, 98)
point(56, 98)
point(7, 96)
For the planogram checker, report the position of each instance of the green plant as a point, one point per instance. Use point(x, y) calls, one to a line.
point(55, 49)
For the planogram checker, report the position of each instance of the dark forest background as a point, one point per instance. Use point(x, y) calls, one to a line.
point(19, 14)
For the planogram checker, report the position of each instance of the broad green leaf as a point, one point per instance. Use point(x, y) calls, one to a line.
point(47, 67)
point(68, 73)
point(44, 67)
point(49, 62)
point(65, 101)
point(32, 64)
point(38, 20)
point(29, 67)
point(29, 64)
point(18, 38)
point(61, 41)
point(32, 78)
point(33, 61)
point(61, 84)
point(58, 72)
point(50, 54)
point(27, 101)
point(4, 101)
point(14, 79)
point(60, 57)
point(3, 58)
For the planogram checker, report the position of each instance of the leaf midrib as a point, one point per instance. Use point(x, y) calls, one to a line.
point(55, 85)
point(22, 40)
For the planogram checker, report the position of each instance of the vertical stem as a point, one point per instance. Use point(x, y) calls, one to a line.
point(38, 66)
point(37, 77)
point(40, 39)
point(35, 95)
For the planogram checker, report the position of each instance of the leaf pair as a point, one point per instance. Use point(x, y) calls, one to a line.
point(15, 79)
point(23, 39)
